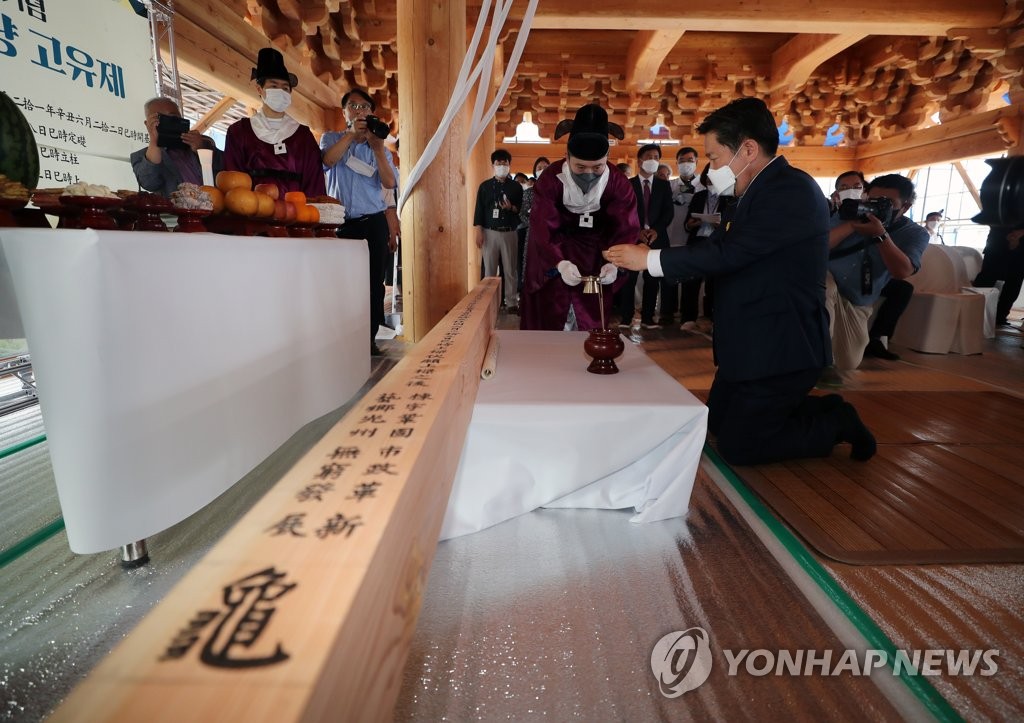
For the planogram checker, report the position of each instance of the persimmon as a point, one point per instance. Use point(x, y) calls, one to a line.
point(296, 197)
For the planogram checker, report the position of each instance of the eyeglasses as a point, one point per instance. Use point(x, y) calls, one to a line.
point(359, 106)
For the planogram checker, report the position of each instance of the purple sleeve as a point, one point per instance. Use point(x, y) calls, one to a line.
point(234, 147)
point(313, 183)
point(619, 201)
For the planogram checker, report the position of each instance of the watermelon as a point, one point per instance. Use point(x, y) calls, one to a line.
point(19, 156)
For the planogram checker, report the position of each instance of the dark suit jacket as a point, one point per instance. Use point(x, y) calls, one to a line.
point(661, 210)
point(769, 266)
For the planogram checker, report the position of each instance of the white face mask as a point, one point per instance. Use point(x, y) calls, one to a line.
point(687, 169)
point(723, 180)
point(650, 166)
point(855, 194)
point(932, 225)
point(500, 171)
point(277, 100)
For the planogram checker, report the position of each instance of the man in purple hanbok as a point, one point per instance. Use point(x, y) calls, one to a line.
point(581, 206)
point(271, 146)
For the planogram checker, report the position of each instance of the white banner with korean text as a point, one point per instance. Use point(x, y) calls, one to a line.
point(80, 70)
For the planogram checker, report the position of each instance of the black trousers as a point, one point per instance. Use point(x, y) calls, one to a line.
point(771, 419)
point(897, 295)
point(1000, 262)
point(669, 300)
point(649, 296)
point(373, 228)
point(624, 303)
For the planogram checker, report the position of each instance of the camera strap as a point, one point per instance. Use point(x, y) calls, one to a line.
point(865, 273)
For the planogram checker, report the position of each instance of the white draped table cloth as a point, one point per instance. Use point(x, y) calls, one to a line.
point(546, 433)
point(169, 365)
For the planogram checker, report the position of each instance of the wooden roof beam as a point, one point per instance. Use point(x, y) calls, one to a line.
point(224, 21)
point(213, 115)
point(868, 17)
point(793, 63)
point(645, 56)
point(202, 57)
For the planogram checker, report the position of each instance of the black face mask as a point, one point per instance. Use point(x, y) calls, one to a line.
point(585, 181)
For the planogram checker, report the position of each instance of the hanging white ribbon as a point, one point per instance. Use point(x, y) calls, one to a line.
point(470, 75)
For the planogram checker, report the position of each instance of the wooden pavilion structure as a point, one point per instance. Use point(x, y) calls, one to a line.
point(925, 82)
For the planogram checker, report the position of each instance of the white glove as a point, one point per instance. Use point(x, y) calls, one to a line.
point(608, 273)
point(570, 274)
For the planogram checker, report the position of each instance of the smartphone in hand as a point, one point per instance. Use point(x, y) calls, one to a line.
point(169, 129)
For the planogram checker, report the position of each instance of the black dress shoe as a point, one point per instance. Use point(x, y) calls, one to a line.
point(876, 349)
point(375, 350)
point(851, 429)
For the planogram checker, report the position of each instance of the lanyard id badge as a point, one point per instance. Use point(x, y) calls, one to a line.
point(586, 220)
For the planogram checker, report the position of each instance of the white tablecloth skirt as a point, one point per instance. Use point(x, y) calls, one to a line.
point(169, 364)
point(546, 433)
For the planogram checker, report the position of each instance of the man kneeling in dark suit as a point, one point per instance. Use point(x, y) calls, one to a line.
point(768, 261)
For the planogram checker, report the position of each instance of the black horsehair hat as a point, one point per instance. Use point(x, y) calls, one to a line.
point(588, 132)
point(270, 64)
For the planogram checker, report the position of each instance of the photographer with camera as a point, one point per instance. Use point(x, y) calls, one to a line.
point(358, 168)
point(871, 242)
point(170, 159)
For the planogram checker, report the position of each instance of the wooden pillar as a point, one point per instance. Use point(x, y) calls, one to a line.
point(431, 46)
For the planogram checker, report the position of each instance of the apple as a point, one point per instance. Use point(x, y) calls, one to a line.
point(280, 210)
point(290, 211)
point(270, 189)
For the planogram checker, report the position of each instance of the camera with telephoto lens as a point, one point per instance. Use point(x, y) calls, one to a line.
point(881, 208)
point(1002, 193)
point(377, 127)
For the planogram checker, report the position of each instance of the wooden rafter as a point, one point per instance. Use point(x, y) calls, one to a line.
point(214, 114)
point(646, 53)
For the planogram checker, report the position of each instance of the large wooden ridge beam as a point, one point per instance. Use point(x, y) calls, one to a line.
point(981, 134)
point(867, 17)
point(305, 610)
